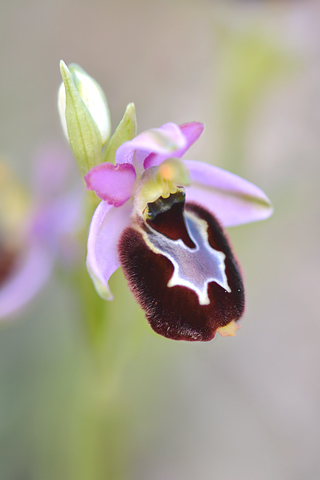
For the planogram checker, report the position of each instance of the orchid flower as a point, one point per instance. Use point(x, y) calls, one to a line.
point(161, 218)
point(36, 231)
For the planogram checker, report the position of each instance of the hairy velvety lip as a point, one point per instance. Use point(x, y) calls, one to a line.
point(176, 311)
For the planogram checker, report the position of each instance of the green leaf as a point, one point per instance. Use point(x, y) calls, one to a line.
point(126, 130)
point(84, 135)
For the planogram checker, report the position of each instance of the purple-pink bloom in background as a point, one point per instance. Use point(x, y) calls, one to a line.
point(166, 231)
point(46, 234)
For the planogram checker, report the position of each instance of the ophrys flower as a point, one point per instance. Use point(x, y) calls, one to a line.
point(162, 220)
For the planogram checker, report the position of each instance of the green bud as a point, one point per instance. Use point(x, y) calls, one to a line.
point(125, 131)
point(84, 115)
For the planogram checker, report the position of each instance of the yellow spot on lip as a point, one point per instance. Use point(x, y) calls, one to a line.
point(229, 330)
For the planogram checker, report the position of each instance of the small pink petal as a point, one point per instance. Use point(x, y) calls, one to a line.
point(232, 199)
point(112, 183)
point(164, 142)
point(191, 132)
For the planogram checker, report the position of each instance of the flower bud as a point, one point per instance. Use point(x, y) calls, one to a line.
point(84, 115)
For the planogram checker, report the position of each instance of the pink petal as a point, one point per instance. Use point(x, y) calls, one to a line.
point(231, 198)
point(57, 224)
point(164, 142)
point(191, 132)
point(107, 224)
point(54, 169)
point(26, 280)
point(112, 183)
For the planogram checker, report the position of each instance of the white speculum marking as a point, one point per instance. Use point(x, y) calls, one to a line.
point(194, 268)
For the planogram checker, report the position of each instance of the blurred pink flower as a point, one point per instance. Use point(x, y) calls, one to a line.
point(47, 232)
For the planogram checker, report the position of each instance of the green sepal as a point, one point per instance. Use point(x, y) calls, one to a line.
point(125, 131)
point(84, 135)
point(94, 99)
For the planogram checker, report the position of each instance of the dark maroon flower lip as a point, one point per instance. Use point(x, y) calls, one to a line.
point(166, 217)
point(183, 273)
point(8, 261)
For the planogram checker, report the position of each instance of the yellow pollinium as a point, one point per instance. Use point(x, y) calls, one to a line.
point(229, 330)
point(174, 171)
point(161, 181)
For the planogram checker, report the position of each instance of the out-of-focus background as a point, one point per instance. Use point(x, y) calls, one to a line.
point(234, 408)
